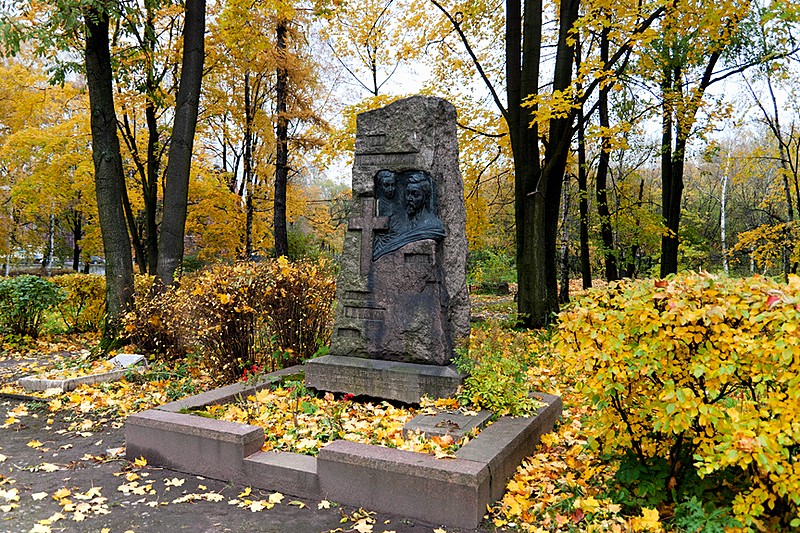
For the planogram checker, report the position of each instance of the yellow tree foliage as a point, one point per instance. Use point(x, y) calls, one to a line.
point(46, 157)
point(698, 377)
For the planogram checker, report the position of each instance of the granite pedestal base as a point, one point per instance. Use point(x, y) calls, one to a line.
point(452, 492)
point(387, 380)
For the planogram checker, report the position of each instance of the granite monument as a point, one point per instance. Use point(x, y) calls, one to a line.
point(402, 295)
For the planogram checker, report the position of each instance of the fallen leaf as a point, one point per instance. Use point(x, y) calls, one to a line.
point(140, 462)
point(363, 526)
point(39, 496)
point(257, 506)
point(35, 444)
point(49, 467)
point(61, 493)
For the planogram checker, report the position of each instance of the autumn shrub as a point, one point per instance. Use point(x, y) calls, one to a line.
point(157, 322)
point(696, 379)
point(497, 364)
point(84, 306)
point(300, 307)
point(273, 313)
point(24, 301)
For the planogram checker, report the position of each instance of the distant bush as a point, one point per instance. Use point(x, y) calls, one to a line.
point(84, 306)
point(23, 302)
point(491, 270)
point(697, 383)
point(271, 314)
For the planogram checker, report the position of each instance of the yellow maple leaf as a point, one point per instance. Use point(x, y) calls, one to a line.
point(35, 444)
point(275, 497)
point(649, 521)
point(140, 462)
point(259, 505)
point(363, 526)
point(245, 492)
point(61, 493)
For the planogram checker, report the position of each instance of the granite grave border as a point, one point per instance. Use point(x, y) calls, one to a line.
point(450, 492)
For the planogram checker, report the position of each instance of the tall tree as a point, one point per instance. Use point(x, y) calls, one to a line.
point(699, 47)
point(535, 117)
point(176, 190)
point(281, 141)
point(109, 179)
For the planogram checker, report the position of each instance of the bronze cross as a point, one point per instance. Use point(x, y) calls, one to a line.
point(368, 223)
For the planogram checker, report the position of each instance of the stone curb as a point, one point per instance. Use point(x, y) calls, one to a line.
point(451, 492)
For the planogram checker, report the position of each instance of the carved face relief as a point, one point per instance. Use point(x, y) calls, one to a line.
point(388, 185)
point(415, 199)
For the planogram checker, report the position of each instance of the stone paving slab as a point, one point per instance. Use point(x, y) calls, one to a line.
point(447, 422)
point(452, 492)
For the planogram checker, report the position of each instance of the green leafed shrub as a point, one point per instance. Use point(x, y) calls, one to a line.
point(84, 306)
point(489, 270)
point(700, 374)
point(497, 364)
point(23, 302)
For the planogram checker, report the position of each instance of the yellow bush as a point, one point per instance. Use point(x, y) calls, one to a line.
point(157, 323)
point(271, 314)
point(85, 305)
point(703, 373)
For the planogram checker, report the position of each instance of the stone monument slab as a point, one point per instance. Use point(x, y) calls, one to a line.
point(402, 292)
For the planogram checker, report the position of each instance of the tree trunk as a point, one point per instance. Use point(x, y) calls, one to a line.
point(47, 259)
point(601, 180)
point(247, 168)
point(109, 179)
point(723, 205)
point(563, 290)
point(281, 145)
point(150, 184)
point(583, 192)
point(176, 187)
point(669, 241)
point(77, 234)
